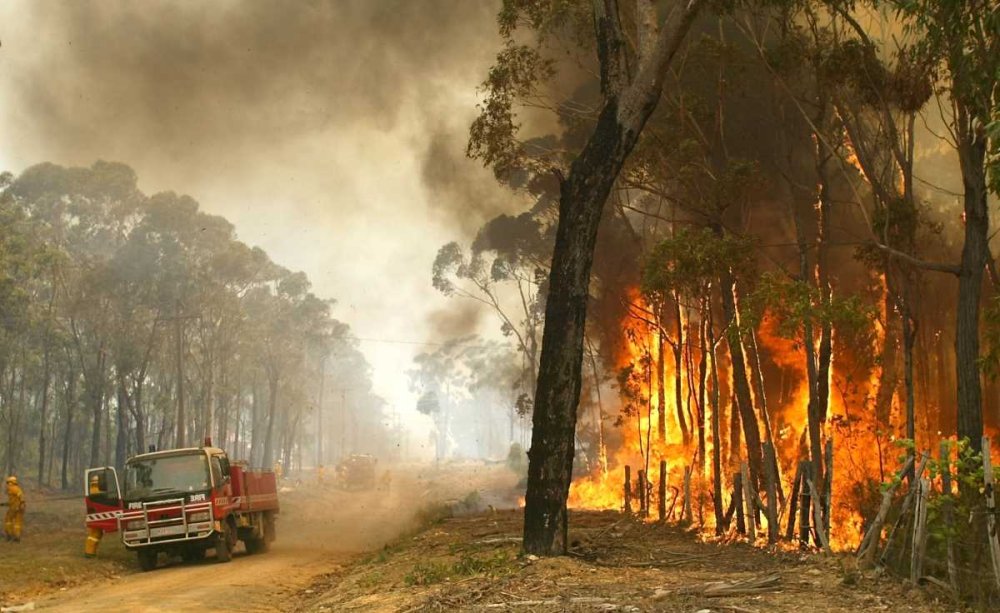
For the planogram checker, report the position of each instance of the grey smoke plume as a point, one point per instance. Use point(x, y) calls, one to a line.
point(330, 132)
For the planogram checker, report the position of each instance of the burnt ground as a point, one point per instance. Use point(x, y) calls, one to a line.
point(472, 563)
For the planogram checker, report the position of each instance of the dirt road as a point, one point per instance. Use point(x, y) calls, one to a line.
point(248, 583)
point(319, 530)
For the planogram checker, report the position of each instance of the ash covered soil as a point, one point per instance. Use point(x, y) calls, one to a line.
point(472, 563)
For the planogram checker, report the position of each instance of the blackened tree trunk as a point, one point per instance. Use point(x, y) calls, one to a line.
point(550, 457)
point(972, 156)
point(661, 381)
point(741, 384)
point(678, 348)
point(716, 427)
point(628, 104)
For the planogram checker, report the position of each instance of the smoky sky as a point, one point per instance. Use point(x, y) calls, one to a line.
point(237, 72)
point(330, 132)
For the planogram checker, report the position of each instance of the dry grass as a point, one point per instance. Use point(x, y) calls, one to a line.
point(50, 555)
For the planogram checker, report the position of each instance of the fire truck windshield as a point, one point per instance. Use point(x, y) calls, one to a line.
point(168, 475)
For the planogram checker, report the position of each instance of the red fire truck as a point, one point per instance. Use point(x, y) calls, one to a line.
point(184, 501)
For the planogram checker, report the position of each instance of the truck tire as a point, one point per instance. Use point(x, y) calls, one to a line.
point(223, 547)
point(256, 544)
point(270, 531)
point(147, 559)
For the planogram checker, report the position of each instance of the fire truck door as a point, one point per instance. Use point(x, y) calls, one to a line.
point(103, 498)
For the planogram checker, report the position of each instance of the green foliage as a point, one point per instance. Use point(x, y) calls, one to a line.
point(95, 276)
point(989, 361)
point(959, 42)
point(518, 71)
point(426, 573)
point(794, 303)
point(692, 261)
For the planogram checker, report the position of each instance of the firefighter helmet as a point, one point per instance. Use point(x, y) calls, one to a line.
point(12, 479)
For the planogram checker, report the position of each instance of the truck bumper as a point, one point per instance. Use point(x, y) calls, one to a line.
point(167, 522)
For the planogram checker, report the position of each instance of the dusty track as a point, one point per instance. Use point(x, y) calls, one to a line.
point(320, 529)
point(248, 583)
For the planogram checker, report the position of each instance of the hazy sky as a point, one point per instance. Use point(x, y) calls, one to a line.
point(322, 129)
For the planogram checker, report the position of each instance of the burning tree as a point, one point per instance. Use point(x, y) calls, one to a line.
point(775, 224)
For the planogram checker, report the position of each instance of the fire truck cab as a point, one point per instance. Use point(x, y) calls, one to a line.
point(184, 501)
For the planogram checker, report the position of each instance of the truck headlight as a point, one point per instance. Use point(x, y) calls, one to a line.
point(135, 524)
point(199, 516)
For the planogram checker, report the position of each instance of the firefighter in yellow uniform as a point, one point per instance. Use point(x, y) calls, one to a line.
point(278, 471)
point(93, 534)
point(14, 520)
point(320, 470)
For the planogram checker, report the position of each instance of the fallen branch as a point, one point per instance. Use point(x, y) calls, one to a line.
point(870, 543)
point(714, 589)
point(502, 539)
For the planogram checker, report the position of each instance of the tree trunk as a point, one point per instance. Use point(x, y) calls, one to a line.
point(661, 388)
point(909, 339)
point(741, 384)
point(94, 395)
point(255, 430)
point(678, 373)
point(121, 437)
point(272, 409)
point(181, 439)
point(972, 156)
point(43, 413)
point(716, 428)
point(581, 203)
point(139, 414)
point(70, 403)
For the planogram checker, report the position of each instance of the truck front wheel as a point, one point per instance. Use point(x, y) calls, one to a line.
point(147, 559)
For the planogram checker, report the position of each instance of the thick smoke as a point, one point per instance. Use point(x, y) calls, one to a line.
point(188, 71)
point(330, 132)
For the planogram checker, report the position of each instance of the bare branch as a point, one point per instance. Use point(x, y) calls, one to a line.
point(909, 259)
point(647, 25)
point(611, 48)
point(654, 67)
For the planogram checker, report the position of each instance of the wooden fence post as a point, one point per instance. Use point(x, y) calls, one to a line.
point(805, 502)
point(772, 493)
point(643, 501)
point(948, 514)
point(919, 546)
point(741, 526)
point(870, 542)
point(686, 513)
point(793, 503)
point(661, 503)
point(818, 517)
point(628, 488)
point(907, 505)
point(991, 522)
point(828, 486)
point(748, 499)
